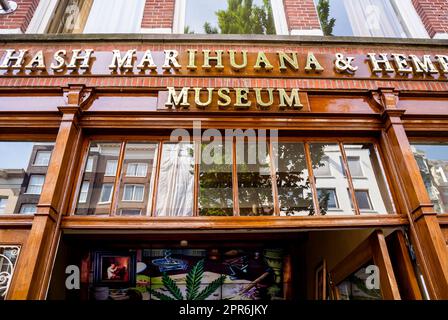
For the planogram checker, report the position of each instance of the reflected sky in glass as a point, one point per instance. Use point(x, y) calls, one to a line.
point(16, 155)
point(433, 152)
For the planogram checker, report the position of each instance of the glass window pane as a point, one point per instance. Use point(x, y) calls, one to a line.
point(137, 178)
point(215, 180)
point(21, 180)
point(254, 178)
point(89, 165)
point(293, 185)
point(432, 160)
point(28, 208)
point(372, 18)
point(372, 180)
point(362, 196)
point(176, 180)
point(138, 193)
point(354, 288)
point(111, 167)
point(215, 16)
point(98, 201)
point(84, 192)
point(97, 16)
point(128, 190)
point(327, 198)
point(334, 186)
point(42, 158)
point(35, 184)
point(106, 193)
point(354, 165)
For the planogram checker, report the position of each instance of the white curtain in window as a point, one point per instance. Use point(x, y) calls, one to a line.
point(115, 16)
point(373, 18)
point(176, 181)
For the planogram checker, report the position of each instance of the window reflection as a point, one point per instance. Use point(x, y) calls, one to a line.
point(354, 287)
point(432, 160)
point(22, 175)
point(97, 16)
point(293, 186)
point(176, 180)
point(254, 179)
point(371, 190)
point(331, 189)
point(215, 180)
point(97, 185)
point(137, 179)
point(364, 18)
point(229, 17)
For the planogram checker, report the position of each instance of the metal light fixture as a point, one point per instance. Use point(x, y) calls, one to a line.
point(7, 6)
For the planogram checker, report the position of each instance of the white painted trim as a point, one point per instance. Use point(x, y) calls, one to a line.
point(413, 23)
point(440, 36)
point(278, 12)
point(42, 16)
point(10, 31)
point(307, 32)
point(155, 30)
point(179, 16)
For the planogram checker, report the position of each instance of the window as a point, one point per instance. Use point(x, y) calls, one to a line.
point(327, 199)
point(3, 201)
point(89, 164)
point(354, 165)
point(363, 161)
point(203, 16)
point(92, 16)
point(215, 180)
point(84, 192)
point(133, 192)
point(130, 212)
point(111, 168)
point(97, 184)
point(293, 186)
point(137, 170)
point(35, 184)
point(363, 199)
point(28, 208)
point(432, 160)
point(9, 254)
point(235, 176)
point(323, 169)
point(20, 179)
point(42, 158)
point(324, 156)
point(106, 193)
point(176, 180)
point(137, 177)
point(374, 18)
point(254, 178)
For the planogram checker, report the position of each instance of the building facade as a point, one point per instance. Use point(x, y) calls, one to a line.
point(278, 149)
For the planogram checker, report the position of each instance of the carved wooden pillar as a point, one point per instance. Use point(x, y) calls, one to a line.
point(33, 278)
point(426, 235)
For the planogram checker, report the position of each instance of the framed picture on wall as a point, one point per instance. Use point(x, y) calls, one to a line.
point(114, 269)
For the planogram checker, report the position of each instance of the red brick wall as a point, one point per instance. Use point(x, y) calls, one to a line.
point(158, 14)
point(301, 14)
point(19, 19)
point(434, 14)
